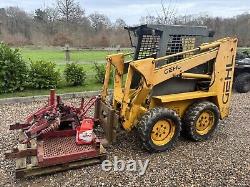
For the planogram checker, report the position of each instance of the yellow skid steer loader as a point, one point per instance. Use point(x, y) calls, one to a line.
point(160, 96)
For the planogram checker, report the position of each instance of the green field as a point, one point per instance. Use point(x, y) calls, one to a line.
point(57, 55)
point(85, 58)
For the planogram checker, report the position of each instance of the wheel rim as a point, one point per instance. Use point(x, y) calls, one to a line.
point(205, 122)
point(162, 132)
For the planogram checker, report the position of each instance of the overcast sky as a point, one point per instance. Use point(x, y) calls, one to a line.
point(132, 10)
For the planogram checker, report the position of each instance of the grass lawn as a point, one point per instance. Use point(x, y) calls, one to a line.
point(89, 68)
point(57, 55)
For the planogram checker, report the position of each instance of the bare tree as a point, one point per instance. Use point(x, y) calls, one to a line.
point(49, 25)
point(52, 17)
point(99, 21)
point(52, 14)
point(70, 10)
point(168, 12)
point(18, 21)
point(40, 15)
point(149, 19)
point(119, 23)
point(165, 15)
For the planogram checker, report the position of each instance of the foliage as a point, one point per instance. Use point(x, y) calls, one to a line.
point(74, 74)
point(100, 71)
point(13, 70)
point(43, 74)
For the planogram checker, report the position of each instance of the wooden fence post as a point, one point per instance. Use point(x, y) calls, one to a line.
point(67, 53)
point(118, 48)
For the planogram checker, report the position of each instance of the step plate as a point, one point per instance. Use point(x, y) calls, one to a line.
point(62, 150)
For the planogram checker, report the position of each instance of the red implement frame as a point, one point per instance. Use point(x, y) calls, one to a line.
point(52, 148)
point(49, 117)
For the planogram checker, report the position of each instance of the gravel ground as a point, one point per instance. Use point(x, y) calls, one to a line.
point(222, 161)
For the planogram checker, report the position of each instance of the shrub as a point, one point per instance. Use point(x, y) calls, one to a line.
point(100, 70)
point(43, 74)
point(13, 70)
point(74, 74)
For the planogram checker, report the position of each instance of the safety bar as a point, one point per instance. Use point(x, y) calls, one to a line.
point(200, 48)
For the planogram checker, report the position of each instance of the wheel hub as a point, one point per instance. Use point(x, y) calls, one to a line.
point(205, 122)
point(162, 132)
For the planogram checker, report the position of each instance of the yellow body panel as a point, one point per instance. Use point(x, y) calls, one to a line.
point(179, 107)
point(185, 96)
point(223, 76)
point(176, 68)
point(134, 103)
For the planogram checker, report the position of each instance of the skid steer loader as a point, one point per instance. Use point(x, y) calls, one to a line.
point(169, 86)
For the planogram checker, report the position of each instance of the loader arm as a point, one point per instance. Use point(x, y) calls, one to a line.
point(118, 63)
point(117, 60)
point(221, 52)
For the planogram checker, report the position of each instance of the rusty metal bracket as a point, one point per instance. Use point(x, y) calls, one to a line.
point(108, 119)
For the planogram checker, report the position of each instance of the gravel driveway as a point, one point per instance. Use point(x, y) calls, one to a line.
point(222, 161)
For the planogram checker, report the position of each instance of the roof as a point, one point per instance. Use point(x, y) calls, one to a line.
point(176, 29)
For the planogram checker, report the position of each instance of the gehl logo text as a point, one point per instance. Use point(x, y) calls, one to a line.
point(172, 69)
point(227, 82)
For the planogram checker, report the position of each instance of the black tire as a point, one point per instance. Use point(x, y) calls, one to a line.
point(192, 116)
point(147, 123)
point(242, 83)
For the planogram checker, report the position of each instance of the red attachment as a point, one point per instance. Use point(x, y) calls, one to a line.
point(52, 97)
point(62, 150)
point(50, 117)
point(38, 113)
point(86, 106)
point(84, 133)
point(58, 133)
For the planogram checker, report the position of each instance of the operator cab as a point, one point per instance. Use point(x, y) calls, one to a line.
point(154, 41)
